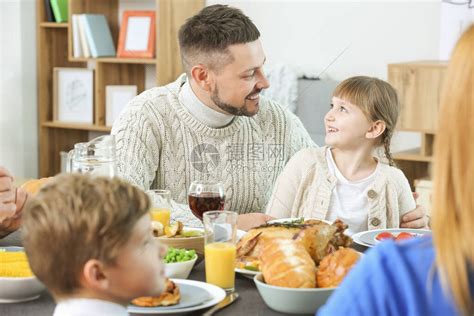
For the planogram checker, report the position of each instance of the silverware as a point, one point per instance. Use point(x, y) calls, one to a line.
point(229, 299)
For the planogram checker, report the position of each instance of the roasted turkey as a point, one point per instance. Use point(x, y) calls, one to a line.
point(319, 238)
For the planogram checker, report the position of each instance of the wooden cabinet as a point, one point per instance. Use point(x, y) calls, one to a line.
point(54, 49)
point(419, 87)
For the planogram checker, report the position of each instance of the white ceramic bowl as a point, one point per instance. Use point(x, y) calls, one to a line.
point(292, 301)
point(19, 289)
point(180, 270)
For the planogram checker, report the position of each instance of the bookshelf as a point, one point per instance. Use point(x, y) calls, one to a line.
point(419, 86)
point(54, 49)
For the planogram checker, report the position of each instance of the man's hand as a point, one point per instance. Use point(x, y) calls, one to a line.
point(12, 201)
point(14, 222)
point(415, 218)
point(248, 221)
point(7, 195)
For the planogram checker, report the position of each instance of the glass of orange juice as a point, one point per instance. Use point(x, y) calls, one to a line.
point(161, 209)
point(220, 250)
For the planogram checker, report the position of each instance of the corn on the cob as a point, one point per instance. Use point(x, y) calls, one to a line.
point(14, 264)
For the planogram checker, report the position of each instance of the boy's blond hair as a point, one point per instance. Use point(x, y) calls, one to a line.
point(378, 100)
point(76, 218)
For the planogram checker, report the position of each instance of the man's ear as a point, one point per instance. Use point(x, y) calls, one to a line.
point(93, 275)
point(377, 129)
point(202, 76)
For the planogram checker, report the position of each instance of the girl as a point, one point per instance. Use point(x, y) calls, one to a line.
point(429, 276)
point(344, 180)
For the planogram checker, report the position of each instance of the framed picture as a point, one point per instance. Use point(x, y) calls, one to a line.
point(137, 34)
point(73, 95)
point(116, 98)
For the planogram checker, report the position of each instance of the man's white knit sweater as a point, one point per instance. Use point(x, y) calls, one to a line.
point(163, 144)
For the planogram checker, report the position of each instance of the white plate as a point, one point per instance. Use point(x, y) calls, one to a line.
point(19, 289)
point(240, 233)
point(367, 238)
point(247, 273)
point(291, 219)
point(216, 294)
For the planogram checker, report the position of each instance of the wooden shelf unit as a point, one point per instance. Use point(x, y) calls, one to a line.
point(54, 49)
point(82, 127)
point(419, 87)
point(412, 155)
point(116, 60)
point(54, 25)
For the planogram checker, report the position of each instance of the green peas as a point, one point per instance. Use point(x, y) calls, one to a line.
point(179, 255)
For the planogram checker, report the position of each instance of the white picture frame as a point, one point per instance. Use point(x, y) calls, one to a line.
point(138, 33)
point(116, 99)
point(73, 95)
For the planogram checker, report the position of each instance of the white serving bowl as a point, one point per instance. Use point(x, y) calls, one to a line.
point(290, 300)
point(180, 270)
point(19, 289)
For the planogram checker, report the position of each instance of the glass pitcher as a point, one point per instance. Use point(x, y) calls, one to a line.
point(96, 157)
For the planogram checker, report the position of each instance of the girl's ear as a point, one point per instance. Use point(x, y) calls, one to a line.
point(377, 129)
point(93, 276)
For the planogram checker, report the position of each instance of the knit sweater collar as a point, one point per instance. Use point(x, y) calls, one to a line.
point(200, 111)
point(191, 122)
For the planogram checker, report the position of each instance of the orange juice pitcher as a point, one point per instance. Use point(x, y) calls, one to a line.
point(161, 210)
point(162, 215)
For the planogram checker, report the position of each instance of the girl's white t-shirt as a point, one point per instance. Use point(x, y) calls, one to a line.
point(349, 200)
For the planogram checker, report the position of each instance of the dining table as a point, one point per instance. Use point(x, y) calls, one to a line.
point(249, 302)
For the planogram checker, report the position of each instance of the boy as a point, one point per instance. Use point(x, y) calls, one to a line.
point(89, 240)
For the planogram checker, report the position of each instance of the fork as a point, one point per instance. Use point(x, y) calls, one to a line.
point(229, 299)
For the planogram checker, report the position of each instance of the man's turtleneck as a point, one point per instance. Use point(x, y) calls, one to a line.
point(200, 111)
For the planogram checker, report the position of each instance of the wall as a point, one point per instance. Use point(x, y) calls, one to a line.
point(306, 34)
point(366, 35)
point(454, 20)
point(18, 117)
point(311, 34)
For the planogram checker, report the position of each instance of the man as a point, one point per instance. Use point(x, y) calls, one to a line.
point(211, 123)
point(11, 203)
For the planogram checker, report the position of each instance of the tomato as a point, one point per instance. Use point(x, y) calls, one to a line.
point(384, 235)
point(404, 236)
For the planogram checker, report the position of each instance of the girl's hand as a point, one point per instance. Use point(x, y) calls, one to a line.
point(250, 220)
point(416, 218)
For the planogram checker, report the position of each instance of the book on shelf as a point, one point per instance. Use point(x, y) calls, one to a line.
point(77, 49)
point(98, 35)
point(60, 10)
point(48, 11)
point(82, 36)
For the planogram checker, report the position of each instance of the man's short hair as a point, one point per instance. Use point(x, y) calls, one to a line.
point(206, 36)
point(76, 218)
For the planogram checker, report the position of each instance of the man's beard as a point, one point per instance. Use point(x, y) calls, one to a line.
point(231, 109)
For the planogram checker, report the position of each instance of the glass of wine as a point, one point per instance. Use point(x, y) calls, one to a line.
point(204, 195)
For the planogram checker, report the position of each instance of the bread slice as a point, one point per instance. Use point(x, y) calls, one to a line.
point(286, 263)
point(170, 296)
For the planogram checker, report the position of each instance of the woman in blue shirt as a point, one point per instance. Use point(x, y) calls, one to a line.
point(429, 276)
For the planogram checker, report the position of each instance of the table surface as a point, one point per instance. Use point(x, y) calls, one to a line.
point(249, 303)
